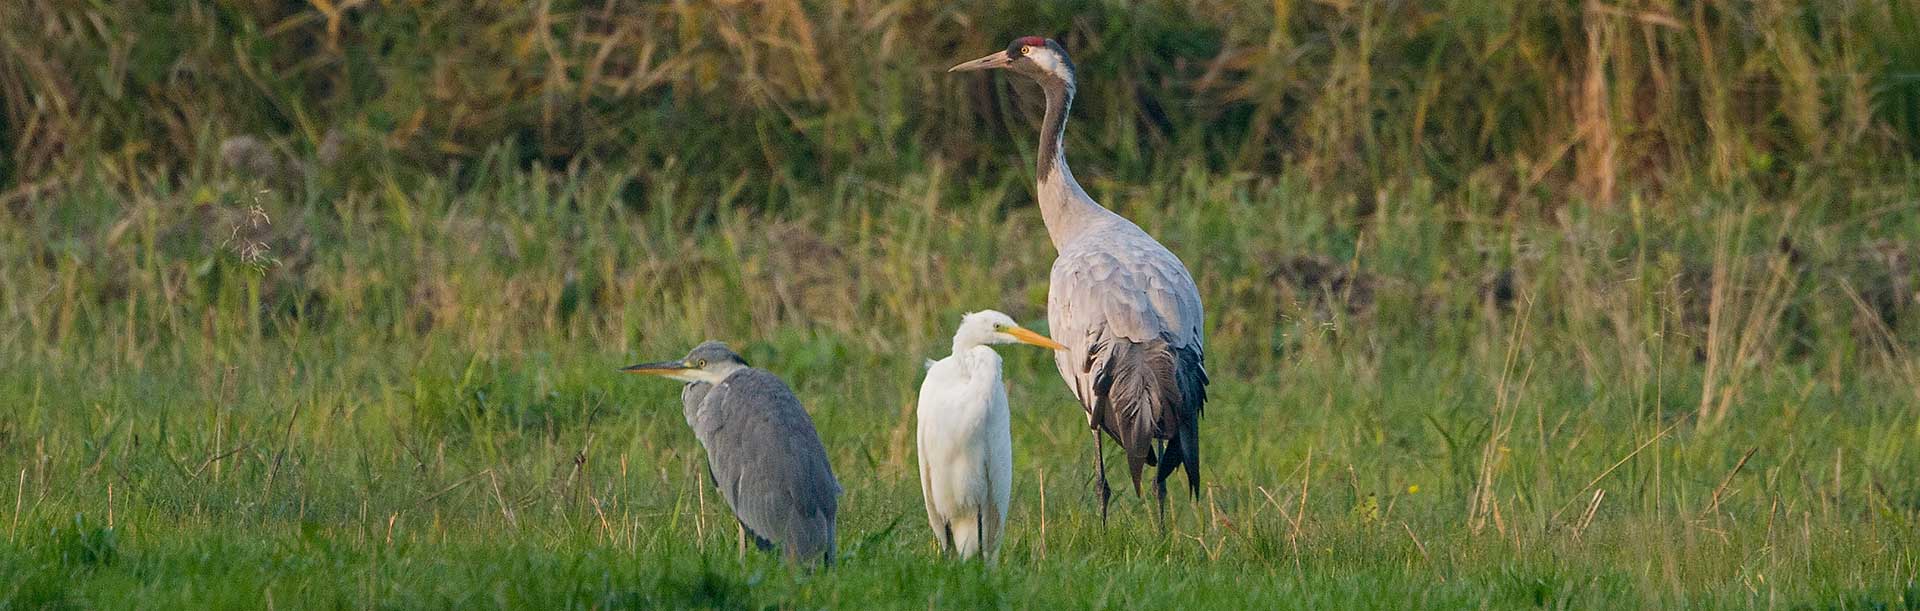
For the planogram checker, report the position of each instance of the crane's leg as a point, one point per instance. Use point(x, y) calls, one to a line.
point(743, 539)
point(1190, 456)
point(1182, 450)
point(1169, 460)
point(1100, 488)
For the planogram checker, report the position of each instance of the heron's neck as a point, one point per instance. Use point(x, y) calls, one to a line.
point(1064, 206)
point(718, 372)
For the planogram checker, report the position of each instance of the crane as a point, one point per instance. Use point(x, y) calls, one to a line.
point(762, 450)
point(966, 448)
point(1125, 307)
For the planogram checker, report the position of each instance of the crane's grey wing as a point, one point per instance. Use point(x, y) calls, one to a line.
point(1130, 315)
point(1133, 286)
point(1129, 287)
point(769, 464)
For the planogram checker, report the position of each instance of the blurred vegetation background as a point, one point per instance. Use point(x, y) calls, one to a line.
point(1539, 104)
point(1568, 303)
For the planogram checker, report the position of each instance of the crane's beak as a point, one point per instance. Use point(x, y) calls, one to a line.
point(1027, 336)
point(662, 368)
point(998, 59)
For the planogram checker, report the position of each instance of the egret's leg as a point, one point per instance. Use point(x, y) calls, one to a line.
point(980, 538)
point(942, 538)
point(966, 535)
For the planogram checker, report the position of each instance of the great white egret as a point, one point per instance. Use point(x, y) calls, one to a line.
point(966, 447)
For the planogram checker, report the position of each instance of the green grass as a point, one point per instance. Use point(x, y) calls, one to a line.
point(414, 403)
point(1565, 304)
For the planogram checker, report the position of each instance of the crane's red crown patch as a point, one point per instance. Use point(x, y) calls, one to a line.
point(1032, 41)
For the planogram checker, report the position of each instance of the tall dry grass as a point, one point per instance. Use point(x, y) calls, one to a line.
point(1539, 103)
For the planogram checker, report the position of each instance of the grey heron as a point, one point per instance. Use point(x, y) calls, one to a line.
point(762, 450)
point(966, 447)
point(1125, 306)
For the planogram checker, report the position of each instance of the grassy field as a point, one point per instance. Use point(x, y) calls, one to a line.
point(1556, 304)
point(413, 402)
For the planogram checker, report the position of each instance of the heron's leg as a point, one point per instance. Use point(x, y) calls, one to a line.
point(1100, 488)
point(742, 531)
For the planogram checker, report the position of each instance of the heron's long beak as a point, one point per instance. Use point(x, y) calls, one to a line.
point(662, 368)
point(998, 59)
point(1027, 336)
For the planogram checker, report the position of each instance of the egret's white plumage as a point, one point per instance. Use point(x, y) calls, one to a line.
point(966, 445)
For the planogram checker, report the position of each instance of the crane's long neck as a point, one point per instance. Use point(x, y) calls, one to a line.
point(1053, 132)
point(1064, 206)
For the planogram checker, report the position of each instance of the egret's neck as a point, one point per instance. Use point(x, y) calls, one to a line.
point(976, 358)
point(1064, 206)
point(964, 343)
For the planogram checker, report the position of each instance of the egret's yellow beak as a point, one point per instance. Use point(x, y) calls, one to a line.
point(998, 59)
point(662, 368)
point(1027, 336)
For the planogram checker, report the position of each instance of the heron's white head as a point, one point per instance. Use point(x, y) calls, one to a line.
point(709, 362)
point(1040, 59)
point(992, 327)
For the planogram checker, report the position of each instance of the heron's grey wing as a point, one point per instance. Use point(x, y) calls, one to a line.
point(769, 463)
point(691, 396)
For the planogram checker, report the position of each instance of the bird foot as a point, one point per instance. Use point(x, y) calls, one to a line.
point(1105, 493)
point(1160, 493)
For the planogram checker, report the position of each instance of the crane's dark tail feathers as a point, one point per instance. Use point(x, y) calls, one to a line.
point(1184, 449)
point(1155, 391)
